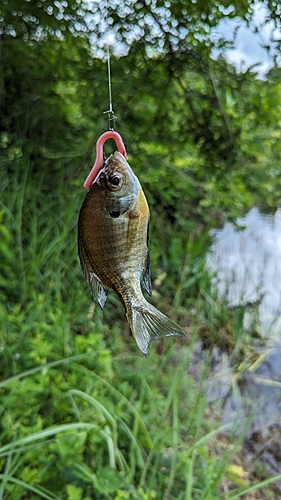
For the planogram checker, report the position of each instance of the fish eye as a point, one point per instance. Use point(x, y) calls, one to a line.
point(115, 182)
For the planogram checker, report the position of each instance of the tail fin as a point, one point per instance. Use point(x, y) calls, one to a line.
point(148, 324)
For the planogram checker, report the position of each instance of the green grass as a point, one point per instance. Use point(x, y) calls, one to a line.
point(83, 415)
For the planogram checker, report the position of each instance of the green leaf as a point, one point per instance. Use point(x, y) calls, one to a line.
point(108, 480)
point(73, 492)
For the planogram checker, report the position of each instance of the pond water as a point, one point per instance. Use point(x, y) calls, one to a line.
point(247, 261)
point(247, 258)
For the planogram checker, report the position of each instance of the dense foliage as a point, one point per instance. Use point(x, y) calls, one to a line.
point(82, 415)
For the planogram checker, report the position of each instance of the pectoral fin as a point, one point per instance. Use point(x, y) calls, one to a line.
point(99, 291)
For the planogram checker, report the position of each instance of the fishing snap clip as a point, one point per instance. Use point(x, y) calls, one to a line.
point(111, 119)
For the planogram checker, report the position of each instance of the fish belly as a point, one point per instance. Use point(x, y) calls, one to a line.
point(117, 250)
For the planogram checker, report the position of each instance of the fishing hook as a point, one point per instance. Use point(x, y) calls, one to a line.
point(111, 134)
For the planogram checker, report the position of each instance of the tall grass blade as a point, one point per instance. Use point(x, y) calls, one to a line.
point(28, 487)
point(123, 398)
point(159, 434)
point(175, 447)
point(189, 477)
point(18, 444)
point(105, 416)
point(42, 368)
point(249, 489)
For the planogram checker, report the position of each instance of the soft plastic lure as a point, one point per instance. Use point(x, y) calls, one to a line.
point(111, 134)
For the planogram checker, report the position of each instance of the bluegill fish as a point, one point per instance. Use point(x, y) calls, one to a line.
point(113, 249)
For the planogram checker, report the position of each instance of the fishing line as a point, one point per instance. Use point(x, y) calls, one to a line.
point(110, 112)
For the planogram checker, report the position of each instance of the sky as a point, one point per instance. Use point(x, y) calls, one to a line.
point(249, 46)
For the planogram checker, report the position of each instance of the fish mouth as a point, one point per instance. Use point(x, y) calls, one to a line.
point(115, 160)
point(119, 157)
point(114, 163)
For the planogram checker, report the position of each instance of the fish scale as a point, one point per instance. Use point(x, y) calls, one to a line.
point(112, 242)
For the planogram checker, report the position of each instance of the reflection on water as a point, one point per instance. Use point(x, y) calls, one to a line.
point(247, 260)
point(248, 264)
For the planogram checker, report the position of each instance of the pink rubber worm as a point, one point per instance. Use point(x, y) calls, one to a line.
point(111, 134)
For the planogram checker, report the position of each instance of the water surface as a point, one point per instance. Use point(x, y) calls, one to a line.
point(247, 257)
